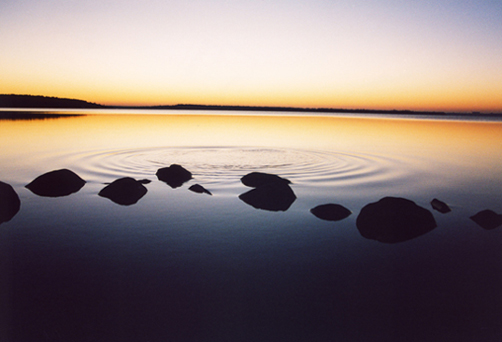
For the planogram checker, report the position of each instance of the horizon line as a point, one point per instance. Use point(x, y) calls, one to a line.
point(72, 103)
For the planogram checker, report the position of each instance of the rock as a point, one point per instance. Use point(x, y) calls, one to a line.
point(56, 183)
point(330, 212)
point(199, 189)
point(255, 179)
point(392, 220)
point(442, 207)
point(271, 196)
point(487, 219)
point(9, 202)
point(174, 175)
point(124, 191)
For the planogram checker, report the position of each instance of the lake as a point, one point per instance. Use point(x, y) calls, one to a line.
point(184, 266)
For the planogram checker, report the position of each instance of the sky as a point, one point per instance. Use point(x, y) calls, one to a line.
point(387, 54)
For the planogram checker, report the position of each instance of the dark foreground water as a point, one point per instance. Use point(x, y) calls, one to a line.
point(182, 266)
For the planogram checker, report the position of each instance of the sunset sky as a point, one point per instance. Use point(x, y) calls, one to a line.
point(428, 54)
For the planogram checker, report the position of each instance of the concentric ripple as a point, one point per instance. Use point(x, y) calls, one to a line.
point(225, 165)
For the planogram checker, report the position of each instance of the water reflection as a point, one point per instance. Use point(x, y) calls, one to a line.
point(9, 202)
point(125, 191)
point(392, 220)
point(56, 183)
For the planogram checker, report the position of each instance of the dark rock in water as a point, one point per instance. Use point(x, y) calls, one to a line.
point(271, 196)
point(9, 202)
point(256, 179)
point(442, 207)
point(487, 219)
point(124, 191)
point(392, 220)
point(174, 175)
point(331, 212)
point(145, 181)
point(56, 183)
point(199, 189)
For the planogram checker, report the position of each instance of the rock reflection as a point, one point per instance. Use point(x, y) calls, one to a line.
point(56, 183)
point(393, 219)
point(331, 212)
point(271, 192)
point(125, 191)
point(174, 175)
point(9, 202)
point(487, 219)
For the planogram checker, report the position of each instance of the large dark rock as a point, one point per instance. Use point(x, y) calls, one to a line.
point(393, 219)
point(199, 189)
point(56, 183)
point(331, 212)
point(9, 202)
point(255, 179)
point(174, 175)
point(124, 191)
point(440, 206)
point(487, 219)
point(271, 196)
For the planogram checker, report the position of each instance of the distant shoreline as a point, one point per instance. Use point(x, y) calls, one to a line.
point(44, 102)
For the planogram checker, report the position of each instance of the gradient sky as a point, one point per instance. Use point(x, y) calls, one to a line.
point(427, 54)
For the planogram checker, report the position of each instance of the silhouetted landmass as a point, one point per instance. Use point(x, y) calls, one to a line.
point(56, 183)
point(32, 101)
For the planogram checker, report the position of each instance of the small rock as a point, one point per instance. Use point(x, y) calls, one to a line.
point(487, 219)
point(256, 179)
point(56, 183)
point(174, 175)
point(199, 189)
point(124, 191)
point(440, 206)
point(330, 212)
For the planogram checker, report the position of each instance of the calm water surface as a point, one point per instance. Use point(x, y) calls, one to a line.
point(181, 266)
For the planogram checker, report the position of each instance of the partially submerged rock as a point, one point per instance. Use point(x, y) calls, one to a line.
point(199, 189)
point(271, 196)
point(487, 219)
point(255, 179)
point(331, 212)
point(440, 206)
point(9, 202)
point(271, 192)
point(124, 191)
point(56, 183)
point(174, 175)
point(393, 219)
